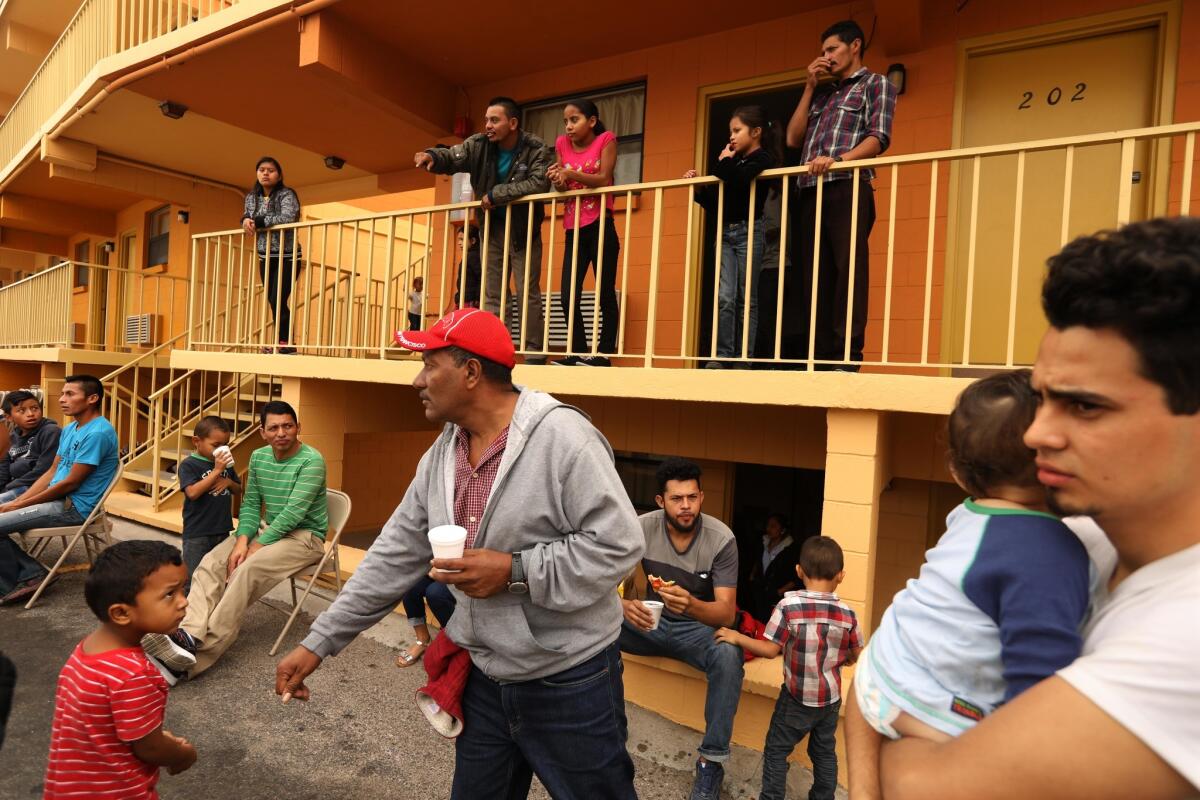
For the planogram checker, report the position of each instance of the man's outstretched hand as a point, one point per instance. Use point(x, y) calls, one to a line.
point(291, 672)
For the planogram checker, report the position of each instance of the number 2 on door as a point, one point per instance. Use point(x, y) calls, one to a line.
point(1053, 96)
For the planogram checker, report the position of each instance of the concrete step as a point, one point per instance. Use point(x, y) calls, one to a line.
point(139, 508)
point(146, 475)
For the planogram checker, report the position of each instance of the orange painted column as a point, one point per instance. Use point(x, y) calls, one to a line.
point(321, 408)
point(855, 476)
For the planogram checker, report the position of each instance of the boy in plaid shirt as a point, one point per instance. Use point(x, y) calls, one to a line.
point(818, 635)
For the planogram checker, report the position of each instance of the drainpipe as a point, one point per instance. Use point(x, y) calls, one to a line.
point(296, 11)
point(129, 162)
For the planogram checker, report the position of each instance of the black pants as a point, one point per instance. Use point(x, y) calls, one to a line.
point(279, 291)
point(833, 280)
point(606, 279)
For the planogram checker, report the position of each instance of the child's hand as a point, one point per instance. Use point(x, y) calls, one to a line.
point(728, 152)
point(691, 173)
point(187, 753)
point(221, 485)
point(728, 636)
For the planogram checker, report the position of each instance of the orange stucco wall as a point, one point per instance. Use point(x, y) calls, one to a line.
point(675, 73)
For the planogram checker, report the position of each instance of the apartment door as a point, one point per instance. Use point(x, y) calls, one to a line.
point(779, 103)
point(1088, 84)
point(124, 284)
point(98, 298)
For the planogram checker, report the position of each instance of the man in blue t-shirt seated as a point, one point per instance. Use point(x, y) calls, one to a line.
point(86, 463)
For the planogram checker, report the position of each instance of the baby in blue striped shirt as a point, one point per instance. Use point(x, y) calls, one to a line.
point(1000, 601)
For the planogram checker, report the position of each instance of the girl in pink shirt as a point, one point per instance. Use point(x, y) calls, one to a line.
point(586, 158)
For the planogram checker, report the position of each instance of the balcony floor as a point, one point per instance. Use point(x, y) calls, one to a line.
point(909, 393)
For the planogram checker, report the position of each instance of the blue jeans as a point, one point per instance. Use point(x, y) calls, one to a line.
point(692, 643)
point(441, 602)
point(731, 289)
point(13, 494)
point(17, 566)
point(569, 729)
point(196, 547)
point(790, 723)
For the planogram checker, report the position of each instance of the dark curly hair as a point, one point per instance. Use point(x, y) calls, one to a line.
point(1142, 281)
point(676, 469)
point(119, 571)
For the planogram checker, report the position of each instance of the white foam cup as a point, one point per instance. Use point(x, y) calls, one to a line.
point(655, 608)
point(224, 449)
point(448, 541)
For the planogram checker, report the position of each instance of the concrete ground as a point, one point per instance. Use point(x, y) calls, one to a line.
point(360, 736)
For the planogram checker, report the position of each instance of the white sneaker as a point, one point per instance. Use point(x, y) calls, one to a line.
point(163, 649)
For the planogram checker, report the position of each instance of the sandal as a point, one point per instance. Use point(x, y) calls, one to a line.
point(407, 658)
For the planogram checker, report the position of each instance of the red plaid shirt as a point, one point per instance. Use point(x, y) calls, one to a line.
point(472, 485)
point(818, 633)
point(860, 106)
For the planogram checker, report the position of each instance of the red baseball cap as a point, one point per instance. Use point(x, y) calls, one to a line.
point(471, 329)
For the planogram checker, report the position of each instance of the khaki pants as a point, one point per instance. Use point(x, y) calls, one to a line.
point(216, 607)
point(493, 267)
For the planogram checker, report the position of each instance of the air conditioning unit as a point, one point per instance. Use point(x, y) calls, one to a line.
point(139, 329)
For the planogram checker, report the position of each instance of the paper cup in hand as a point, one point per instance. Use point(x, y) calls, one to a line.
point(655, 608)
point(448, 541)
point(224, 451)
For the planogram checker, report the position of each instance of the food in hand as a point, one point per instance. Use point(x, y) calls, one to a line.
point(656, 583)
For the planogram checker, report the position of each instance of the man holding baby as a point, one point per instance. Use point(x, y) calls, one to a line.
point(550, 532)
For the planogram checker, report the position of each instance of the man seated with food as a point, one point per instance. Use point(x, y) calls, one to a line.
point(691, 566)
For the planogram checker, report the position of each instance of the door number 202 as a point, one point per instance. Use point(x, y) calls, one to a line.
point(1054, 97)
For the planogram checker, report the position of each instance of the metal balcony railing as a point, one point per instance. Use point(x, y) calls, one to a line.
point(956, 257)
point(93, 307)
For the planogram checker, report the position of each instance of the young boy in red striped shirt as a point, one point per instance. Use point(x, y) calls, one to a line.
point(107, 740)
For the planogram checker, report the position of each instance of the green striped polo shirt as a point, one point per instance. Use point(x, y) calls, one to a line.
point(288, 495)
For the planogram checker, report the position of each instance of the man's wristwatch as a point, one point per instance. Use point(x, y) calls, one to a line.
point(517, 584)
point(837, 159)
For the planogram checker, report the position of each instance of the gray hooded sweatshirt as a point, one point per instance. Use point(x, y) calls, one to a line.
point(557, 498)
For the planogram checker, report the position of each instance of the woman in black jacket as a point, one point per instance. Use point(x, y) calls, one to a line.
point(268, 204)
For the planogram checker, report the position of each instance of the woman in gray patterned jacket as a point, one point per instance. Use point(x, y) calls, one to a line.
point(272, 203)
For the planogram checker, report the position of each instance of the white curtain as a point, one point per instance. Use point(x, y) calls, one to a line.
point(621, 111)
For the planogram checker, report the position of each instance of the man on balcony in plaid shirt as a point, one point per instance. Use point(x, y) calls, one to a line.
point(818, 635)
point(845, 114)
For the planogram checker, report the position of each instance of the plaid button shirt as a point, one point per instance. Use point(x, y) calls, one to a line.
point(473, 485)
point(862, 105)
point(818, 633)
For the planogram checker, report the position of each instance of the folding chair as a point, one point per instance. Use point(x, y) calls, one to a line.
point(339, 511)
point(95, 531)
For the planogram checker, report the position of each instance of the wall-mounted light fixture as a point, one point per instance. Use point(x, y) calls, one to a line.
point(109, 246)
point(897, 75)
point(182, 216)
point(333, 162)
point(172, 110)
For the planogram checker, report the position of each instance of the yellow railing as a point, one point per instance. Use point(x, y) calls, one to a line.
point(955, 261)
point(36, 311)
point(93, 307)
point(179, 405)
point(99, 29)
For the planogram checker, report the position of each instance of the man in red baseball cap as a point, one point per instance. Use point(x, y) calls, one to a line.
point(550, 533)
point(468, 329)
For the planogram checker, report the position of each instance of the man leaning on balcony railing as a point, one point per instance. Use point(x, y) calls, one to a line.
point(506, 163)
point(845, 114)
point(65, 495)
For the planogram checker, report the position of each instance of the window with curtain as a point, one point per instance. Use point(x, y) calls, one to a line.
point(622, 110)
point(81, 257)
point(158, 223)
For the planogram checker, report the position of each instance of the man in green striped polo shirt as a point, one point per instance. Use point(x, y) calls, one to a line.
point(281, 528)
